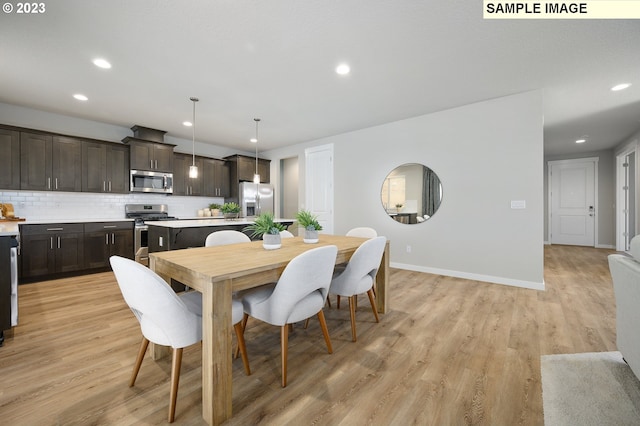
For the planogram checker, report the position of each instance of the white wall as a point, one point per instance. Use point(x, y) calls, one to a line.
point(485, 154)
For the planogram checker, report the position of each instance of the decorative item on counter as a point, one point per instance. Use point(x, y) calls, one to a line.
point(230, 210)
point(207, 212)
point(310, 224)
point(269, 230)
point(200, 213)
point(398, 207)
point(215, 209)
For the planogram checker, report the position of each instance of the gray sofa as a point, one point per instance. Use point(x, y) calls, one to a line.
point(625, 271)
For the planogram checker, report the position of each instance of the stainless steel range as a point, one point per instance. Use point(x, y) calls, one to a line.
point(142, 212)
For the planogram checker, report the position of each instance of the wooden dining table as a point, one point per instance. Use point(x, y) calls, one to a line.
point(217, 272)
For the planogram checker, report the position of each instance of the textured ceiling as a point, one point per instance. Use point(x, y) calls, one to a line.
point(275, 60)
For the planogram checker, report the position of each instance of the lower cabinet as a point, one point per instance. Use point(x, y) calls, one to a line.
point(105, 239)
point(51, 249)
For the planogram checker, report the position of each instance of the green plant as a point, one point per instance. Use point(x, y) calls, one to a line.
point(308, 221)
point(398, 206)
point(215, 206)
point(230, 208)
point(264, 224)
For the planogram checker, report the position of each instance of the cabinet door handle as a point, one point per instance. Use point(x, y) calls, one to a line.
point(151, 164)
point(55, 229)
point(156, 164)
point(58, 242)
point(56, 183)
point(51, 243)
point(109, 226)
point(106, 239)
point(109, 186)
point(104, 186)
point(48, 183)
point(113, 238)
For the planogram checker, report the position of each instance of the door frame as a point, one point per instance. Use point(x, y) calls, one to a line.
point(620, 194)
point(594, 161)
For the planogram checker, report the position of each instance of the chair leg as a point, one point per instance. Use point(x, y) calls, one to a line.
point(338, 302)
point(306, 323)
point(245, 318)
point(242, 347)
point(352, 311)
point(372, 300)
point(136, 368)
point(175, 381)
point(325, 331)
point(284, 342)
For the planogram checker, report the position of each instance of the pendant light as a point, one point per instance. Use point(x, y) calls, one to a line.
point(193, 169)
point(256, 176)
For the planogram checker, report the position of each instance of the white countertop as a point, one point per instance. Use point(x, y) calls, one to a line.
point(196, 223)
point(9, 229)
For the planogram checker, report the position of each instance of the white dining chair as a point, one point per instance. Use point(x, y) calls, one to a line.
point(363, 232)
point(286, 234)
point(358, 277)
point(220, 238)
point(166, 318)
point(300, 293)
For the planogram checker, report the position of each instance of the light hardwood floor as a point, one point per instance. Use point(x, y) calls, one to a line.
point(449, 352)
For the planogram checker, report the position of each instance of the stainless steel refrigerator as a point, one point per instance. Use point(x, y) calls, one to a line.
point(255, 198)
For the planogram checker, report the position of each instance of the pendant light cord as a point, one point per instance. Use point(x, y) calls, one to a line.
point(193, 128)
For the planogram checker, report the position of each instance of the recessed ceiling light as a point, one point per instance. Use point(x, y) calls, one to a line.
point(343, 69)
point(253, 140)
point(620, 86)
point(80, 97)
point(581, 141)
point(187, 123)
point(101, 63)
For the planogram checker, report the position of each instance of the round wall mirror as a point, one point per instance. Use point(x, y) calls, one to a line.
point(411, 193)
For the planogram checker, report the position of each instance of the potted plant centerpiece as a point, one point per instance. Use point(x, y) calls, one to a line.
point(230, 210)
point(215, 209)
point(265, 227)
point(310, 224)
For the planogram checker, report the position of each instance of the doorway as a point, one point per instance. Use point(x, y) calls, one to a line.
point(572, 201)
point(289, 184)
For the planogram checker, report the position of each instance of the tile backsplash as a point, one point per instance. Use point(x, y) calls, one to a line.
point(49, 205)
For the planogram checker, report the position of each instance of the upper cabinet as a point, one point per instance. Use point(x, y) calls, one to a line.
point(105, 167)
point(10, 159)
point(182, 183)
point(215, 178)
point(243, 168)
point(146, 155)
point(50, 162)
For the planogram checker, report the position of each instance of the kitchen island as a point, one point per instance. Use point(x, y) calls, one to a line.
point(180, 234)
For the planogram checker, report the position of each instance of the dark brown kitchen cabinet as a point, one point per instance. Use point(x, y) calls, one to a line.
point(10, 159)
point(50, 249)
point(147, 155)
point(215, 178)
point(50, 163)
point(243, 168)
point(105, 239)
point(182, 183)
point(105, 167)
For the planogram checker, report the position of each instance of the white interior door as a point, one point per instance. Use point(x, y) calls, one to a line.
point(573, 201)
point(319, 184)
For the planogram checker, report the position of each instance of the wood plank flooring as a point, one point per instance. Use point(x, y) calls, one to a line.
point(449, 352)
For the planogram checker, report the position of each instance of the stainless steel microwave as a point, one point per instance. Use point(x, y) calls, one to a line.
point(146, 181)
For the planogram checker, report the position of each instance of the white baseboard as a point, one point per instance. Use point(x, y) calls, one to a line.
point(606, 246)
point(469, 276)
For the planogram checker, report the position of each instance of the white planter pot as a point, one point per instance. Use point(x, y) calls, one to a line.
point(271, 241)
point(310, 237)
